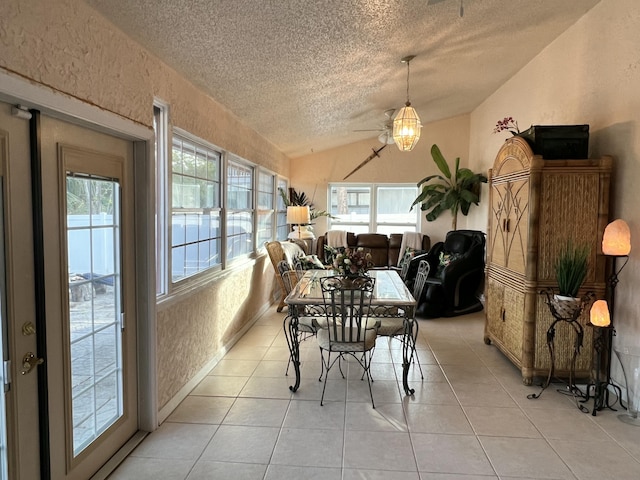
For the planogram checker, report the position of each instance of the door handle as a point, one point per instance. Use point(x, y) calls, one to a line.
point(29, 362)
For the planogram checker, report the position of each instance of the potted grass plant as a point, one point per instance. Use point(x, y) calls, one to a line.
point(571, 270)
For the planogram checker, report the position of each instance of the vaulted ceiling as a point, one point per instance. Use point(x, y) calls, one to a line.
point(306, 73)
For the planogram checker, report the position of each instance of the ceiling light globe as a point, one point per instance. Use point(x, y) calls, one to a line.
point(406, 128)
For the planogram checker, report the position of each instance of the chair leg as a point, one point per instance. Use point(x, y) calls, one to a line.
point(367, 366)
point(415, 351)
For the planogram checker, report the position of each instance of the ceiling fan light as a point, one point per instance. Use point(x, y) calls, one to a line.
point(406, 128)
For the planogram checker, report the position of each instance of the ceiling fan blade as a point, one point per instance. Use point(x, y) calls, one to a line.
point(370, 130)
point(433, 2)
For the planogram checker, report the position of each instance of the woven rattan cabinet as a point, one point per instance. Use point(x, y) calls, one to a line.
point(537, 205)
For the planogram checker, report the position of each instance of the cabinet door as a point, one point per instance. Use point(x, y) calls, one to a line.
point(517, 225)
point(494, 310)
point(513, 321)
point(497, 249)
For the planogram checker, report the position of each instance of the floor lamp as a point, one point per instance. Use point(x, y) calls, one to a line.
point(616, 243)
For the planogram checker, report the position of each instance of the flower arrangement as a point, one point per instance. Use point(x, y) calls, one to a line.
point(352, 261)
point(507, 123)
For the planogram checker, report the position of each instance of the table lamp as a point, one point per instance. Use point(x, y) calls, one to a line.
point(298, 215)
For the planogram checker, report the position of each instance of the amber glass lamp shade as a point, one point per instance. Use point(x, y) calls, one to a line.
point(617, 239)
point(599, 314)
point(406, 128)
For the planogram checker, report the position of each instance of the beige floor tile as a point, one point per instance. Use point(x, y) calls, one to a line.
point(361, 474)
point(386, 417)
point(235, 368)
point(433, 393)
point(152, 469)
point(523, 457)
point(241, 444)
point(379, 451)
point(309, 447)
point(424, 418)
point(176, 440)
point(264, 387)
point(204, 470)
point(220, 386)
point(501, 422)
point(384, 391)
point(202, 409)
point(287, 472)
point(457, 454)
point(566, 424)
point(595, 460)
point(258, 412)
point(483, 395)
point(310, 414)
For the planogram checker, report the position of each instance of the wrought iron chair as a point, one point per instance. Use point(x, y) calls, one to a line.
point(307, 320)
point(393, 326)
point(348, 331)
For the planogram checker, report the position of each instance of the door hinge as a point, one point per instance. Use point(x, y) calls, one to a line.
point(6, 373)
point(122, 321)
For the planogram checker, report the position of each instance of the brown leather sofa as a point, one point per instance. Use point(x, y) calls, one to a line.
point(384, 249)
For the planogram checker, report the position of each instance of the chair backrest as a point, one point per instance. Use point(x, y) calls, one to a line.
point(421, 279)
point(347, 303)
point(290, 279)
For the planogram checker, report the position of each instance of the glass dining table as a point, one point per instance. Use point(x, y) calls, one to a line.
point(391, 298)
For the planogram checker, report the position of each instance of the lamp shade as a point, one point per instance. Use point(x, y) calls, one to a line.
point(616, 240)
point(599, 314)
point(406, 128)
point(298, 215)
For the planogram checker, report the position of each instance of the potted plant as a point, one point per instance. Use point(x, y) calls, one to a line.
point(455, 193)
point(571, 270)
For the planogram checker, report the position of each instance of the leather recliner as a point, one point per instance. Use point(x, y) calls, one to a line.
point(456, 275)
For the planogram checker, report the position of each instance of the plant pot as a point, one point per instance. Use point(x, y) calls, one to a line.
point(566, 307)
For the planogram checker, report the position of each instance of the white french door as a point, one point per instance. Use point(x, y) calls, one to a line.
point(89, 277)
point(85, 350)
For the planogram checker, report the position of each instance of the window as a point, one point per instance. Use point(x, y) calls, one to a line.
point(380, 208)
point(161, 128)
point(213, 207)
point(265, 207)
point(239, 209)
point(195, 208)
point(281, 214)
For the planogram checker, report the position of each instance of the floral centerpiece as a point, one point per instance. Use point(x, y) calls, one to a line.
point(352, 261)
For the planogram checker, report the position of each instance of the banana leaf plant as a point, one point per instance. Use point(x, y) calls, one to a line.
point(448, 192)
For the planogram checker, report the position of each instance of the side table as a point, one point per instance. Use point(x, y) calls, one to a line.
point(571, 318)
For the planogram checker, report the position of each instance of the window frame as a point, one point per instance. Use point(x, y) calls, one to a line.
point(373, 225)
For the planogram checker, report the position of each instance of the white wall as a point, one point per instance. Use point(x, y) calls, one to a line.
point(588, 75)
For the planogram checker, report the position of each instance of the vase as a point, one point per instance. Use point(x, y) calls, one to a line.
point(566, 307)
point(630, 360)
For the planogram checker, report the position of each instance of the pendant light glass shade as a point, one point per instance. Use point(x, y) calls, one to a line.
point(406, 128)
point(406, 125)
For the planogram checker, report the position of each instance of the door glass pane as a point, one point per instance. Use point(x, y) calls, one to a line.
point(93, 240)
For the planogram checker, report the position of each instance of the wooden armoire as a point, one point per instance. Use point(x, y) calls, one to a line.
point(536, 205)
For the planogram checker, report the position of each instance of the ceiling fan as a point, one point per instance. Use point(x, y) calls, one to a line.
point(386, 129)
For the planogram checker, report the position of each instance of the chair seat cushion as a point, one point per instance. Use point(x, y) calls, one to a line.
point(363, 346)
point(391, 326)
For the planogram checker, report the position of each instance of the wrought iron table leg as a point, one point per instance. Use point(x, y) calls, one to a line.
point(408, 350)
point(290, 326)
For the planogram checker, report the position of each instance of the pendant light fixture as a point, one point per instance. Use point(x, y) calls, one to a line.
point(406, 125)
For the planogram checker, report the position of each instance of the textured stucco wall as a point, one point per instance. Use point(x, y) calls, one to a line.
point(68, 47)
point(312, 173)
point(590, 74)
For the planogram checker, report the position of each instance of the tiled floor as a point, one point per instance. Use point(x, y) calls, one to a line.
point(469, 419)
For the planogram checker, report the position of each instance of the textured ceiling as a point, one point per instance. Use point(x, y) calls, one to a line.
point(306, 73)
